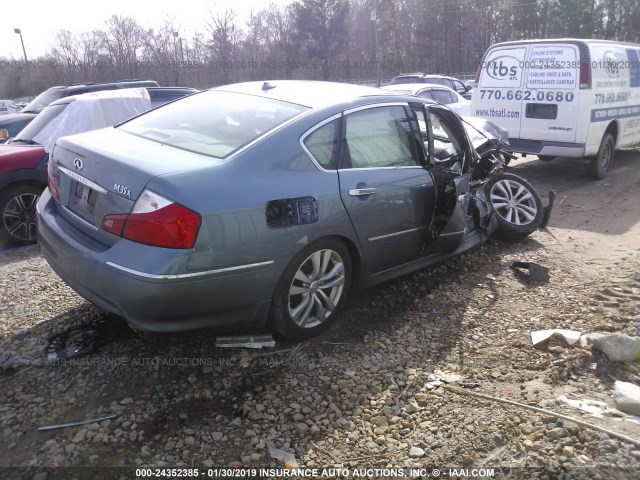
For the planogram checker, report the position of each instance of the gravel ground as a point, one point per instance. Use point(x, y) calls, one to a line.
point(365, 394)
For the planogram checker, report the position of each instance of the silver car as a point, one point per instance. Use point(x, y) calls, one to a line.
point(269, 203)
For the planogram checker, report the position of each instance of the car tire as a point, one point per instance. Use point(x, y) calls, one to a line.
point(517, 206)
point(601, 163)
point(18, 215)
point(311, 290)
point(547, 158)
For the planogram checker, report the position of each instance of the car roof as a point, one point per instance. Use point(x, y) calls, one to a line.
point(416, 87)
point(309, 93)
point(126, 92)
point(91, 86)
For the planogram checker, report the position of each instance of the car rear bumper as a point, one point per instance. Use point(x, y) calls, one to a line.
point(149, 300)
point(540, 147)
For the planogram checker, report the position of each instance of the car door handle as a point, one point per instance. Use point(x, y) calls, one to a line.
point(359, 192)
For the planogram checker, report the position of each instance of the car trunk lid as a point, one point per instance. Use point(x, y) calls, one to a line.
point(104, 172)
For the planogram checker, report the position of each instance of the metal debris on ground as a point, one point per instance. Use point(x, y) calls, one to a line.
point(86, 338)
point(246, 341)
point(537, 273)
point(75, 424)
point(569, 337)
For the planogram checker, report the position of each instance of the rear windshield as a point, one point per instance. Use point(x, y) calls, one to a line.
point(213, 123)
point(406, 79)
point(45, 98)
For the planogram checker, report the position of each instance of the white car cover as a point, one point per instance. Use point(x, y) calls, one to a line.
point(91, 111)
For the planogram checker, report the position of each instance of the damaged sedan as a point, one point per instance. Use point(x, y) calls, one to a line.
point(271, 202)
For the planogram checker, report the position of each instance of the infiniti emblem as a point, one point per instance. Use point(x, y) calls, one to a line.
point(79, 164)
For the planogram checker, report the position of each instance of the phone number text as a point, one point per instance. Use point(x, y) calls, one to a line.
point(526, 95)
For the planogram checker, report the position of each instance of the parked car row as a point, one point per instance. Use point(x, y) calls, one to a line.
point(23, 161)
point(12, 123)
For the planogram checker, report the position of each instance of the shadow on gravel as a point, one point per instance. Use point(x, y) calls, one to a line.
point(173, 383)
point(9, 255)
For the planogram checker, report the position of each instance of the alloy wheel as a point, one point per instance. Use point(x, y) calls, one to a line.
point(19, 216)
point(316, 288)
point(513, 202)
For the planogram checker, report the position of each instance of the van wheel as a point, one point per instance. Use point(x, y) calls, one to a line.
point(601, 163)
point(517, 205)
point(546, 158)
point(312, 289)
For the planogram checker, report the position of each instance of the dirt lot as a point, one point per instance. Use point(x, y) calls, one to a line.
point(362, 396)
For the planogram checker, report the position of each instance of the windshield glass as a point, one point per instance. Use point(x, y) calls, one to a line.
point(45, 98)
point(41, 121)
point(214, 123)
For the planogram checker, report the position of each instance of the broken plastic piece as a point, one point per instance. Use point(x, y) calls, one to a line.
point(287, 458)
point(246, 341)
point(571, 336)
point(537, 273)
point(75, 424)
point(86, 338)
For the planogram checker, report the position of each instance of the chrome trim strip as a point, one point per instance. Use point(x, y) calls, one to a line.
point(450, 234)
point(250, 266)
point(80, 219)
point(364, 169)
point(82, 180)
point(376, 105)
point(395, 234)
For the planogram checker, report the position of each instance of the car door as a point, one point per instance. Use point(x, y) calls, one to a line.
point(449, 155)
point(384, 184)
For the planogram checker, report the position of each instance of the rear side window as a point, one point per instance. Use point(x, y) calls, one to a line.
point(426, 94)
point(442, 96)
point(214, 123)
point(322, 144)
point(379, 137)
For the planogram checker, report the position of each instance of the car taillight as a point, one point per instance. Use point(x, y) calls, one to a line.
point(156, 220)
point(585, 75)
point(52, 183)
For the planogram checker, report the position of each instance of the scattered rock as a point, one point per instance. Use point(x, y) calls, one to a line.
point(618, 347)
point(626, 396)
point(416, 452)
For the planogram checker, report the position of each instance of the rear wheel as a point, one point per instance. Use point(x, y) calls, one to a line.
point(546, 158)
point(517, 205)
point(312, 289)
point(601, 163)
point(18, 215)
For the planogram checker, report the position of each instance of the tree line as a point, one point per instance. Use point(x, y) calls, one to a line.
point(340, 40)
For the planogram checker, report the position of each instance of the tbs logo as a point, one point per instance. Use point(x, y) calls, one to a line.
point(503, 68)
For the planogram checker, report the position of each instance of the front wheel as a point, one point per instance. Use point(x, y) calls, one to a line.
point(18, 215)
point(601, 163)
point(517, 205)
point(312, 289)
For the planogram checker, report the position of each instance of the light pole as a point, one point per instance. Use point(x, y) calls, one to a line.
point(374, 20)
point(26, 61)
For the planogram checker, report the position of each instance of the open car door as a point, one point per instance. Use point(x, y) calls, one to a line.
point(449, 156)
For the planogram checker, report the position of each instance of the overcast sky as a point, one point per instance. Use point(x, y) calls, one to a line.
point(40, 20)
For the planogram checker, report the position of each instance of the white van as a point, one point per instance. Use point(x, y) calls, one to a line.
point(7, 106)
point(563, 97)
